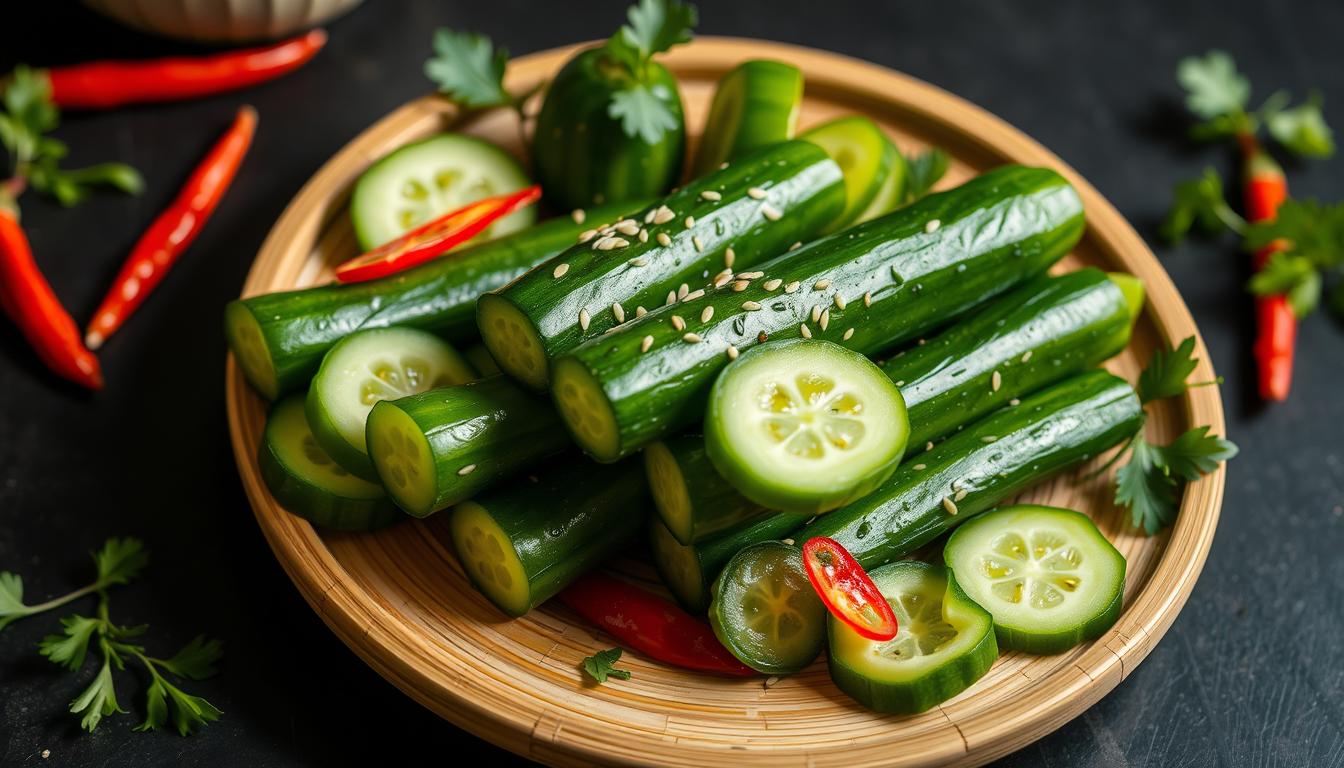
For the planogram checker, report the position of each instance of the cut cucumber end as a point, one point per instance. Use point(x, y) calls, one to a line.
point(861, 150)
point(1133, 290)
point(250, 350)
point(585, 410)
point(353, 457)
point(765, 611)
point(402, 459)
point(513, 341)
point(679, 568)
point(489, 559)
point(668, 488)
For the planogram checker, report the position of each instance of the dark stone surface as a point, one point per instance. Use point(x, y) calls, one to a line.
point(1251, 673)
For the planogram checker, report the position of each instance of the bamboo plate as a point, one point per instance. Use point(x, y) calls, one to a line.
point(400, 600)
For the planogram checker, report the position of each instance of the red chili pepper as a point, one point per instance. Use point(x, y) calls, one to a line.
point(1265, 187)
point(103, 84)
point(435, 238)
point(27, 298)
point(847, 590)
point(175, 229)
point(651, 625)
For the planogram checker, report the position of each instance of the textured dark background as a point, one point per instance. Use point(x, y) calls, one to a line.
point(1251, 674)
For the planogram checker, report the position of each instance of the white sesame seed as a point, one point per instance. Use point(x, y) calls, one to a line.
point(663, 239)
point(796, 245)
point(559, 271)
point(825, 320)
point(928, 446)
point(723, 165)
point(610, 243)
point(791, 287)
point(839, 301)
point(770, 212)
point(640, 311)
point(639, 261)
point(671, 298)
point(821, 284)
point(1026, 356)
point(771, 680)
point(648, 217)
point(772, 284)
point(961, 494)
point(900, 383)
point(643, 235)
point(868, 299)
point(732, 352)
point(988, 439)
point(682, 290)
point(467, 470)
point(749, 275)
point(583, 319)
point(950, 506)
point(722, 278)
point(751, 306)
point(711, 196)
point(618, 311)
point(628, 227)
point(1014, 401)
point(707, 314)
point(587, 234)
point(645, 344)
point(756, 193)
point(678, 323)
point(921, 467)
point(786, 541)
point(996, 381)
point(663, 215)
point(693, 295)
point(921, 342)
point(729, 256)
point(740, 286)
point(698, 243)
point(690, 222)
point(848, 333)
point(816, 313)
point(932, 226)
point(691, 338)
point(803, 329)
point(624, 223)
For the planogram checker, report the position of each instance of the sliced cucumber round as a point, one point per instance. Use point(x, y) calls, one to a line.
point(805, 426)
point(422, 181)
point(866, 157)
point(369, 366)
point(756, 105)
point(1047, 575)
point(305, 480)
point(944, 643)
point(488, 557)
point(765, 611)
point(892, 192)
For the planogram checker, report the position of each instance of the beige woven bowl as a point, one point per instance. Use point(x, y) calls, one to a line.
point(222, 20)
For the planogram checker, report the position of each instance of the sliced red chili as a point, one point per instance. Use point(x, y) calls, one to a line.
point(435, 238)
point(846, 589)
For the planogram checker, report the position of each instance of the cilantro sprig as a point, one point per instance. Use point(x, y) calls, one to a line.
point(602, 665)
point(1148, 483)
point(117, 563)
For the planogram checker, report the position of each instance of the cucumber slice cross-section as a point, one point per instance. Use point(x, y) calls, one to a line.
point(805, 426)
point(1047, 575)
point(943, 644)
point(866, 158)
point(765, 611)
point(365, 368)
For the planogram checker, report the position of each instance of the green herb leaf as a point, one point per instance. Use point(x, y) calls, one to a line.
point(11, 598)
point(99, 700)
point(643, 112)
point(1294, 277)
point(165, 700)
point(70, 647)
point(601, 665)
point(1311, 230)
point(197, 659)
point(657, 25)
point(1302, 129)
point(1167, 371)
point(925, 171)
point(1148, 492)
point(1195, 453)
point(1213, 86)
point(120, 560)
point(1200, 202)
point(468, 69)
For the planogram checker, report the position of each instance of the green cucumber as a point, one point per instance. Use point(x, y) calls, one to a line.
point(866, 157)
point(580, 150)
point(944, 643)
point(436, 448)
point(893, 190)
point(770, 635)
point(520, 544)
point(373, 365)
point(481, 361)
point(278, 339)
point(689, 570)
point(304, 479)
point(1050, 579)
point(422, 181)
point(592, 287)
point(805, 426)
point(1041, 333)
point(872, 286)
point(693, 500)
point(755, 105)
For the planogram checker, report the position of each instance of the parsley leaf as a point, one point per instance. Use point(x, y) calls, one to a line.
point(120, 560)
point(468, 69)
point(11, 598)
point(1311, 230)
point(657, 25)
point(99, 700)
point(643, 112)
point(925, 171)
point(69, 648)
point(1167, 371)
point(1200, 202)
point(1213, 86)
point(1196, 453)
point(1294, 277)
point(1148, 493)
point(642, 106)
point(1302, 129)
point(164, 700)
point(601, 665)
point(197, 658)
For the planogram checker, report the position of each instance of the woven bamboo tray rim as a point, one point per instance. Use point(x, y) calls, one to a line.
point(399, 599)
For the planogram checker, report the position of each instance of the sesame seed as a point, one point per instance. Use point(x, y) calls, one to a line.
point(821, 284)
point(839, 301)
point(848, 333)
point(610, 243)
point(587, 234)
point(693, 295)
point(996, 381)
point(663, 215)
point(900, 383)
point(961, 494)
point(682, 290)
point(690, 222)
point(770, 212)
point(691, 338)
point(645, 344)
point(816, 313)
point(771, 680)
point(932, 227)
point(786, 541)
point(825, 319)
point(722, 278)
point(772, 284)
point(1014, 401)
point(619, 312)
point(663, 239)
point(803, 329)
point(628, 227)
point(868, 299)
point(791, 287)
point(711, 196)
point(698, 243)
point(751, 306)
point(678, 323)
point(796, 245)
point(583, 319)
point(988, 439)
point(467, 470)
point(950, 506)
point(671, 298)
point(639, 261)
point(640, 311)
point(729, 257)
point(707, 314)
point(732, 352)
point(723, 165)
point(921, 342)
point(756, 193)
point(921, 467)
point(1026, 356)
point(749, 275)
point(643, 235)
point(559, 271)
point(648, 217)
point(740, 286)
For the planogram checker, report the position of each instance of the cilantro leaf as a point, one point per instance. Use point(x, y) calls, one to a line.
point(1302, 129)
point(197, 658)
point(1213, 86)
point(643, 111)
point(1199, 202)
point(69, 648)
point(468, 69)
point(1310, 229)
point(1195, 453)
point(164, 700)
point(657, 25)
point(925, 171)
point(11, 598)
point(99, 700)
point(1148, 492)
point(120, 560)
point(1167, 371)
point(601, 665)
point(1294, 277)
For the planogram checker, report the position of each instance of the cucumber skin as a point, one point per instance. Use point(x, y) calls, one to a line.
point(299, 327)
point(755, 129)
point(712, 555)
point(354, 515)
point(708, 491)
point(1049, 432)
point(492, 423)
point(576, 515)
point(581, 154)
point(798, 171)
point(1000, 228)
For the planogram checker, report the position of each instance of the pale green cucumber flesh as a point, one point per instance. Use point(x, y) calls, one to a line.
point(865, 158)
point(765, 611)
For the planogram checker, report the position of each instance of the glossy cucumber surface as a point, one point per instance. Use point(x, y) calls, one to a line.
point(755, 105)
